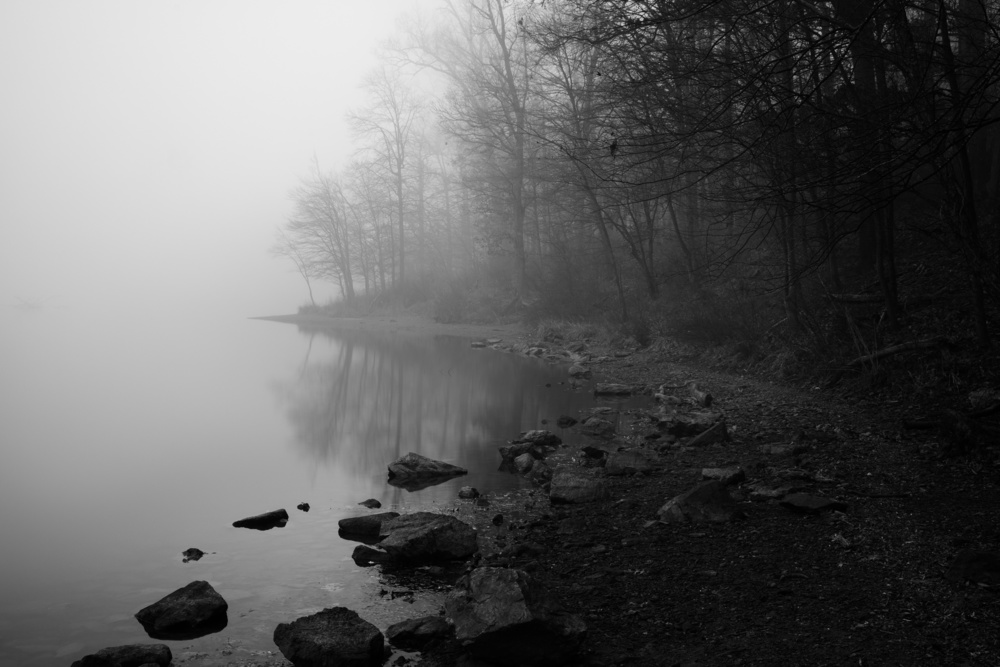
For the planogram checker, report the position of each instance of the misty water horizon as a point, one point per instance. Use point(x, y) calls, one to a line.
point(132, 435)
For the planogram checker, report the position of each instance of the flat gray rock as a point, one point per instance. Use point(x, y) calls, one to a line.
point(334, 637)
point(630, 462)
point(570, 485)
point(804, 503)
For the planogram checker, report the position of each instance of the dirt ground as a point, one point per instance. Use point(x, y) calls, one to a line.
point(872, 585)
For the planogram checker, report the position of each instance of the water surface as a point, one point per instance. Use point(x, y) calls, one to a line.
point(126, 438)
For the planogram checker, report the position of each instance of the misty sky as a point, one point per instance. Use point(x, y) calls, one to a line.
point(147, 148)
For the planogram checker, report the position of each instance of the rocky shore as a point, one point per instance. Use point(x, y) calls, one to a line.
point(733, 522)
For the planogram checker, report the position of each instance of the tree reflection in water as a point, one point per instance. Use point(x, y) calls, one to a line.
point(369, 397)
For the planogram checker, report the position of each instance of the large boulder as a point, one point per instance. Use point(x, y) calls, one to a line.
point(193, 611)
point(426, 536)
point(414, 472)
point(131, 655)
point(334, 637)
point(709, 502)
point(265, 521)
point(524, 462)
point(368, 525)
point(570, 485)
point(505, 617)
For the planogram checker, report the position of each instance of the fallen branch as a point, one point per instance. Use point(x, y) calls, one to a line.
point(896, 349)
point(888, 352)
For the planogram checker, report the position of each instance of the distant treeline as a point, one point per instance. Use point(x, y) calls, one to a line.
point(582, 156)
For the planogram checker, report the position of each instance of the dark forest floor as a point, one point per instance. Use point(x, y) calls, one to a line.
point(870, 586)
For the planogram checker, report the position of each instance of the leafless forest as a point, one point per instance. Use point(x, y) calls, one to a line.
point(732, 169)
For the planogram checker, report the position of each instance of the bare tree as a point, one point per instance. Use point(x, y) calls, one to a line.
point(389, 120)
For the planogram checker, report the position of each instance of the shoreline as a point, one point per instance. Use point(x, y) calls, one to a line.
point(759, 589)
point(409, 324)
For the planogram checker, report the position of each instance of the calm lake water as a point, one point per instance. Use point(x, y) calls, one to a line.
point(126, 439)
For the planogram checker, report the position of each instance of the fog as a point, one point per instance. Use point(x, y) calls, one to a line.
point(147, 148)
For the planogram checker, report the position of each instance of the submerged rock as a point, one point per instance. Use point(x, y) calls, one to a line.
point(504, 616)
point(130, 655)
point(192, 554)
point(189, 612)
point(426, 536)
point(468, 493)
point(265, 521)
point(371, 504)
point(334, 637)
